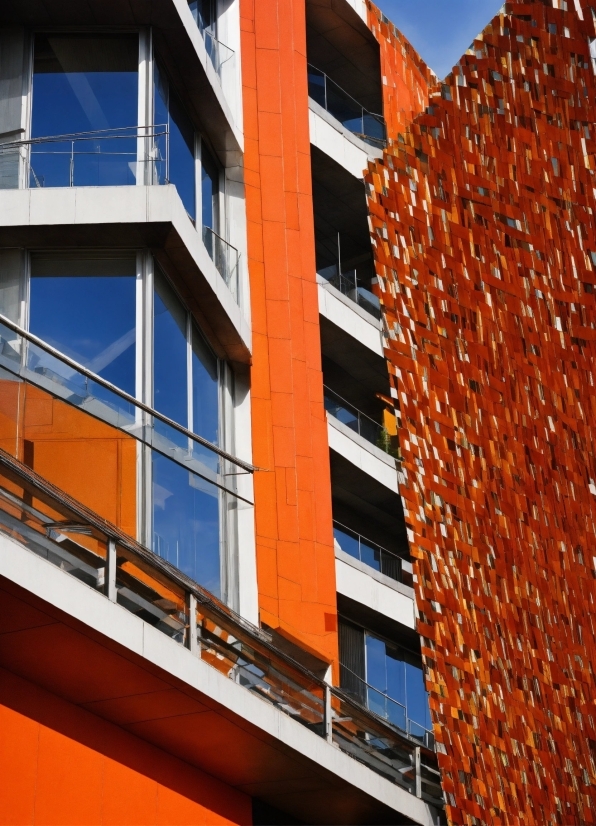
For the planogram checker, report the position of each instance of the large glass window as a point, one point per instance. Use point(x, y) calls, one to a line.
point(86, 87)
point(180, 150)
point(186, 522)
point(186, 528)
point(386, 677)
point(86, 308)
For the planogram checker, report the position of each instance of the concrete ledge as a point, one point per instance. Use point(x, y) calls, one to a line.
point(131, 216)
point(231, 733)
point(328, 135)
point(361, 584)
point(369, 458)
point(347, 315)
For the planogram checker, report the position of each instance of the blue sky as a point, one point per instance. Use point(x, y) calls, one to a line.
point(440, 30)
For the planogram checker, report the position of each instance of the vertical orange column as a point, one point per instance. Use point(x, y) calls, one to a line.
point(295, 556)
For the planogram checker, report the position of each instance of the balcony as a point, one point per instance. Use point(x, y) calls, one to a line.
point(357, 421)
point(129, 156)
point(372, 555)
point(55, 527)
point(355, 287)
point(366, 125)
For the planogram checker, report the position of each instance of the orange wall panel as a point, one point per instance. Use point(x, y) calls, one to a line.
point(62, 766)
point(295, 554)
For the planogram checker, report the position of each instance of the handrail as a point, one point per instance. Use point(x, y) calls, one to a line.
point(211, 629)
point(103, 134)
point(352, 406)
point(347, 94)
point(348, 100)
point(369, 541)
point(124, 395)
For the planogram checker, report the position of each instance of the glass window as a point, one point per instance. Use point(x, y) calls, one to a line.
point(170, 357)
point(85, 86)
point(86, 308)
point(209, 190)
point(186, 522)
point(181, 152)
point(205, 390)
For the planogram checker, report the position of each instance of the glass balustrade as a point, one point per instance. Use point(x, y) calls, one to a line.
point(352, 285)
point(84, 434)
point(344, 108)
point(372, 555)
point(224, 256)
point(357, 421)
point(112, 157)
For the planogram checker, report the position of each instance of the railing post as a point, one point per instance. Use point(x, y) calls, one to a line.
point(110, 581)
point(192, 642)
point(328, 715)
point(418, 772)
point(72, 163)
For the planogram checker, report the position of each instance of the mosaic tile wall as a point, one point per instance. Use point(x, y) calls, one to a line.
point(483, 221)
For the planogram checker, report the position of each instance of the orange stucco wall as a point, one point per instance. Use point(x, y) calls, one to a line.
point(295, 557)
point(61, 765)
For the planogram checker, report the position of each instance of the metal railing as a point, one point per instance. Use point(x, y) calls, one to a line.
point(30, 359)
point(225, 257)
point(53, 525)
point(121, 156)
point(217, 51)
point(357, 421)
point(373, 555)
point(346, 109)
point(350, 284)
point(384, 706)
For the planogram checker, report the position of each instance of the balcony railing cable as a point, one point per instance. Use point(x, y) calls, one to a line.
point(86, 546)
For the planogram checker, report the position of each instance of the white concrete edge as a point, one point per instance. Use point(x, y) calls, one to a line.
point(383, 579)
point(327, 137)
point(365, 590)
point(368, 152)
point(360, 457)
point(81, 602)
point(195, 37)
point(336, 308)
point(121, 205)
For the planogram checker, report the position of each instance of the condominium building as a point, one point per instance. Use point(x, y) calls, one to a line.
point(296, 465)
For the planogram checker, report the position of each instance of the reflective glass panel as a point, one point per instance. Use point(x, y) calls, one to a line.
point(85, 84)
point(205, 390)
point(209, 190)
point(170, 359)
point(416, 696)
point(86, 308)
point(186, 522)
point(347, 542)
point(181, 150)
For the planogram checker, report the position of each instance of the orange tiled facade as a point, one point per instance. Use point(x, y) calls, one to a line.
point(483, 227)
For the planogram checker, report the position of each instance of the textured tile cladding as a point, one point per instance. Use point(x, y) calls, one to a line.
point(483, 220)
point(295, 555)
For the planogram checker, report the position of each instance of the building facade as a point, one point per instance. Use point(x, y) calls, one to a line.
point(296, 464)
